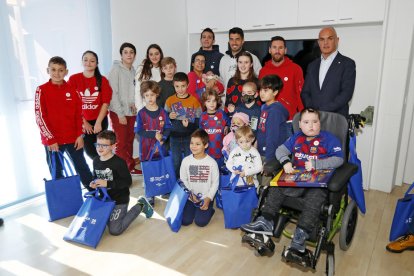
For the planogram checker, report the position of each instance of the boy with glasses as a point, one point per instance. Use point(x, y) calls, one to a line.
point(111, 172)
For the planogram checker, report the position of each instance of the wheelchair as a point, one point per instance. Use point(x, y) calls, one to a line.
point(338, 214)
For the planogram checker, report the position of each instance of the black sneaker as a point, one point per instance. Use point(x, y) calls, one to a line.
point(259, 226)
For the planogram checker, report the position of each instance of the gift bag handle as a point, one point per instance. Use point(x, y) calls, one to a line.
point(156, 146)
point(352, 146)
point(409, 190)
point(96, 194)
point(63, 161)
point(190, 193)
point(235, 179)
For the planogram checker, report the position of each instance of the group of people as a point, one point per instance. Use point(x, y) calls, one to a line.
point(227, 113)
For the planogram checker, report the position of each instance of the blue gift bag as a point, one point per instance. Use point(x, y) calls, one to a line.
point(175, 206)
point(89, 223)
point(63, 195)
point(238, 203)
point(159, 175)
point(355, 188)
point(224, 182)
point(403, 221)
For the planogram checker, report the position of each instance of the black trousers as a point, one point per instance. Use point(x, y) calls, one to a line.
point(313, 198)
point(90, 139)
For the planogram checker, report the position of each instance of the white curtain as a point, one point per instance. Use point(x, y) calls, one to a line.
point(30, 33)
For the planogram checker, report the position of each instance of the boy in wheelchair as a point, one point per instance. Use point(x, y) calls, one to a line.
point(310, 149)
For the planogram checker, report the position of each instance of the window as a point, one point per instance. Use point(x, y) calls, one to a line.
point(30, 33)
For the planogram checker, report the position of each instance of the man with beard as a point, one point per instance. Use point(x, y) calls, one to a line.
point(289, 72)
point(228, 63)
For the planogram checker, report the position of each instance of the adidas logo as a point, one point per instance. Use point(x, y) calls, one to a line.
point(87, 98)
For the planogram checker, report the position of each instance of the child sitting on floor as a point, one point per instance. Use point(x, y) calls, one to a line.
point(199, 173)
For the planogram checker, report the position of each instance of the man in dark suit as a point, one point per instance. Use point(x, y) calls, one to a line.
point(330, 79)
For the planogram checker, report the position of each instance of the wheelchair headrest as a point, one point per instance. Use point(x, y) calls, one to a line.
point(333, 122)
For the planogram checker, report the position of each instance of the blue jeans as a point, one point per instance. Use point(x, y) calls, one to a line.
point(200, 217)
point(180, 148)
point(78, 160)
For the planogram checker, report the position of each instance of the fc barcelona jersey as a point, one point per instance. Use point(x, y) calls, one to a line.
point(214, 125)
point(322, 146)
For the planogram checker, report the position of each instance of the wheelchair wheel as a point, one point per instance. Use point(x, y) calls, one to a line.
point(260, 252)
point(349, 222)
point(330, 265)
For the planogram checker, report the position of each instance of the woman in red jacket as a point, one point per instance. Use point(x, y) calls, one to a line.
point(96, 94)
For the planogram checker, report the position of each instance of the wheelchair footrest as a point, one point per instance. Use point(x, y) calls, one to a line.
point(305, 259)
point(261, 243)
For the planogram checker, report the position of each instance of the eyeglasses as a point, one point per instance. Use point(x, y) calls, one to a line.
point(103, 146)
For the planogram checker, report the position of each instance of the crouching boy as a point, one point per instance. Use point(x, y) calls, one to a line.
point(111, 172)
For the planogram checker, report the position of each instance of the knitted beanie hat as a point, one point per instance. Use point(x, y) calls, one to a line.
point(242, 116)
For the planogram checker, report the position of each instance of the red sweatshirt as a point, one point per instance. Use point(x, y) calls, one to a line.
point(58, 113)
point(292, 77)
point(92, 98)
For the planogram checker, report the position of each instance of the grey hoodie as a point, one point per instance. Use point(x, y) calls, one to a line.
point(122, 81)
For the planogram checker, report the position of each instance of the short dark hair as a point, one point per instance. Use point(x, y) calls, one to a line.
point(57, 60)
point(278, 38)
point(127, 45)
point(310, 110)
point(180, 76)
point(236, 30)
point(271, 81)
point(150, 85)
point(208, 30)
point(107, 135)
point(193, 57)
point(202, 134)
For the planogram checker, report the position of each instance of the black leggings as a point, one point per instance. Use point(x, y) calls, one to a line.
point(90, 139)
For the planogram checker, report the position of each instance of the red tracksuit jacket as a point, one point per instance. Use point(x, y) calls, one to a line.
point(58, 111)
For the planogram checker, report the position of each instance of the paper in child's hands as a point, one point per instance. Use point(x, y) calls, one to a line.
point(179, 110)
point(190, 114)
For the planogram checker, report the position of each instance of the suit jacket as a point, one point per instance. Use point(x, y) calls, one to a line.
point(337, 88)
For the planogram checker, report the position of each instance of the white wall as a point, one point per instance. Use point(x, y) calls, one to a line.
point(391, 128)
point(381, 52)
point(361, 43)
point(143, 22)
